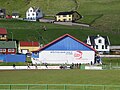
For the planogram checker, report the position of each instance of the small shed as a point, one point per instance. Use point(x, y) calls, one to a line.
point(65, 49)
point(2, 13)
point(15, 15)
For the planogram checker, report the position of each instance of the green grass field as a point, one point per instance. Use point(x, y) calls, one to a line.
point(74, 76)
point(103, 16)
point(32, 31)
point(109, 22)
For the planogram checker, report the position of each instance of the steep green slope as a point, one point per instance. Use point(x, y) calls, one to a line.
point(109, 9)
point(48, 6)
point(102, 15)
point(33, 31)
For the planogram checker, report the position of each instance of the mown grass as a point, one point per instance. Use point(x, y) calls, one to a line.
point(112, 61)
point(74, 76)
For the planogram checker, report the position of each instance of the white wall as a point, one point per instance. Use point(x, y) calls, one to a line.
point(31, 14)
point(101, 44)
point(15, 16)
point(61, 57)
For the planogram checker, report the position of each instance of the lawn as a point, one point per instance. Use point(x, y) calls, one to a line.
point(74, 76)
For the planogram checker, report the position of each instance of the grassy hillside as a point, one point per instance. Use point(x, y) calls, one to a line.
point(32, 31)
point(102, 15)
point(48, 6)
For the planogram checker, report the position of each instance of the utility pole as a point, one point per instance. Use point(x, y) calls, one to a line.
point(12, 36)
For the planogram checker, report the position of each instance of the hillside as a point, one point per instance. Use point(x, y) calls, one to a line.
point(49, 7)
point(103, 15)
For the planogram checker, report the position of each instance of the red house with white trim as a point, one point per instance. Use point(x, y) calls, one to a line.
point(8, 47)
point(3, 34)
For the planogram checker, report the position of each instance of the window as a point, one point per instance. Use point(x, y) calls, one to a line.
point(96, 46)
point(33, 14)
point(3, 35)
point(102, 46)
point(106, 47)
point(69, 19)
point(10, 50)
point(64, 15)
point(36, 14)
point(36, 54)
point(30, 10)
point(4, 50)
point(28, 14)
point(58, 19)
point(64, 20)
point(0, 50)
point(100, 41)
point(69, 15)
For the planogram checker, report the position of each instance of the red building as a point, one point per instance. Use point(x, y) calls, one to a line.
point(3, 34)
point(8, 47)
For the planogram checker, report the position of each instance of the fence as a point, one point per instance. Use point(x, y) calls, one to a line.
point(13, 58)
point(57, 87)
point(111, 66)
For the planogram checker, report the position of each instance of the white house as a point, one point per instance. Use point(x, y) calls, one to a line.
point(65, 49)
point(100, 43)
point(34, 14)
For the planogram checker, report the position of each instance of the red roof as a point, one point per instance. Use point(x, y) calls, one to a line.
point(3, 31)
point(24, 43)
point(8, 16)
point(62, 38)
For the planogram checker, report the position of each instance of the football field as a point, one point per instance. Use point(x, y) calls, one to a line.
point(71, 76)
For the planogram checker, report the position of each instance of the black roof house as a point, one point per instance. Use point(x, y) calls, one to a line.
point(73, 13)
point(2, 13)
point(15, 14)
point(92, 39)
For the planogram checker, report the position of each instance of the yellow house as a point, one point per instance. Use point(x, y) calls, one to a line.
point(27, 47)
point(68, 16)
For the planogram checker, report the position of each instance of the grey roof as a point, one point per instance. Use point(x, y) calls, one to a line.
point(2, 10)
point(8, 44)
point(94, 37)
point(36, 9)
point(15, 14)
